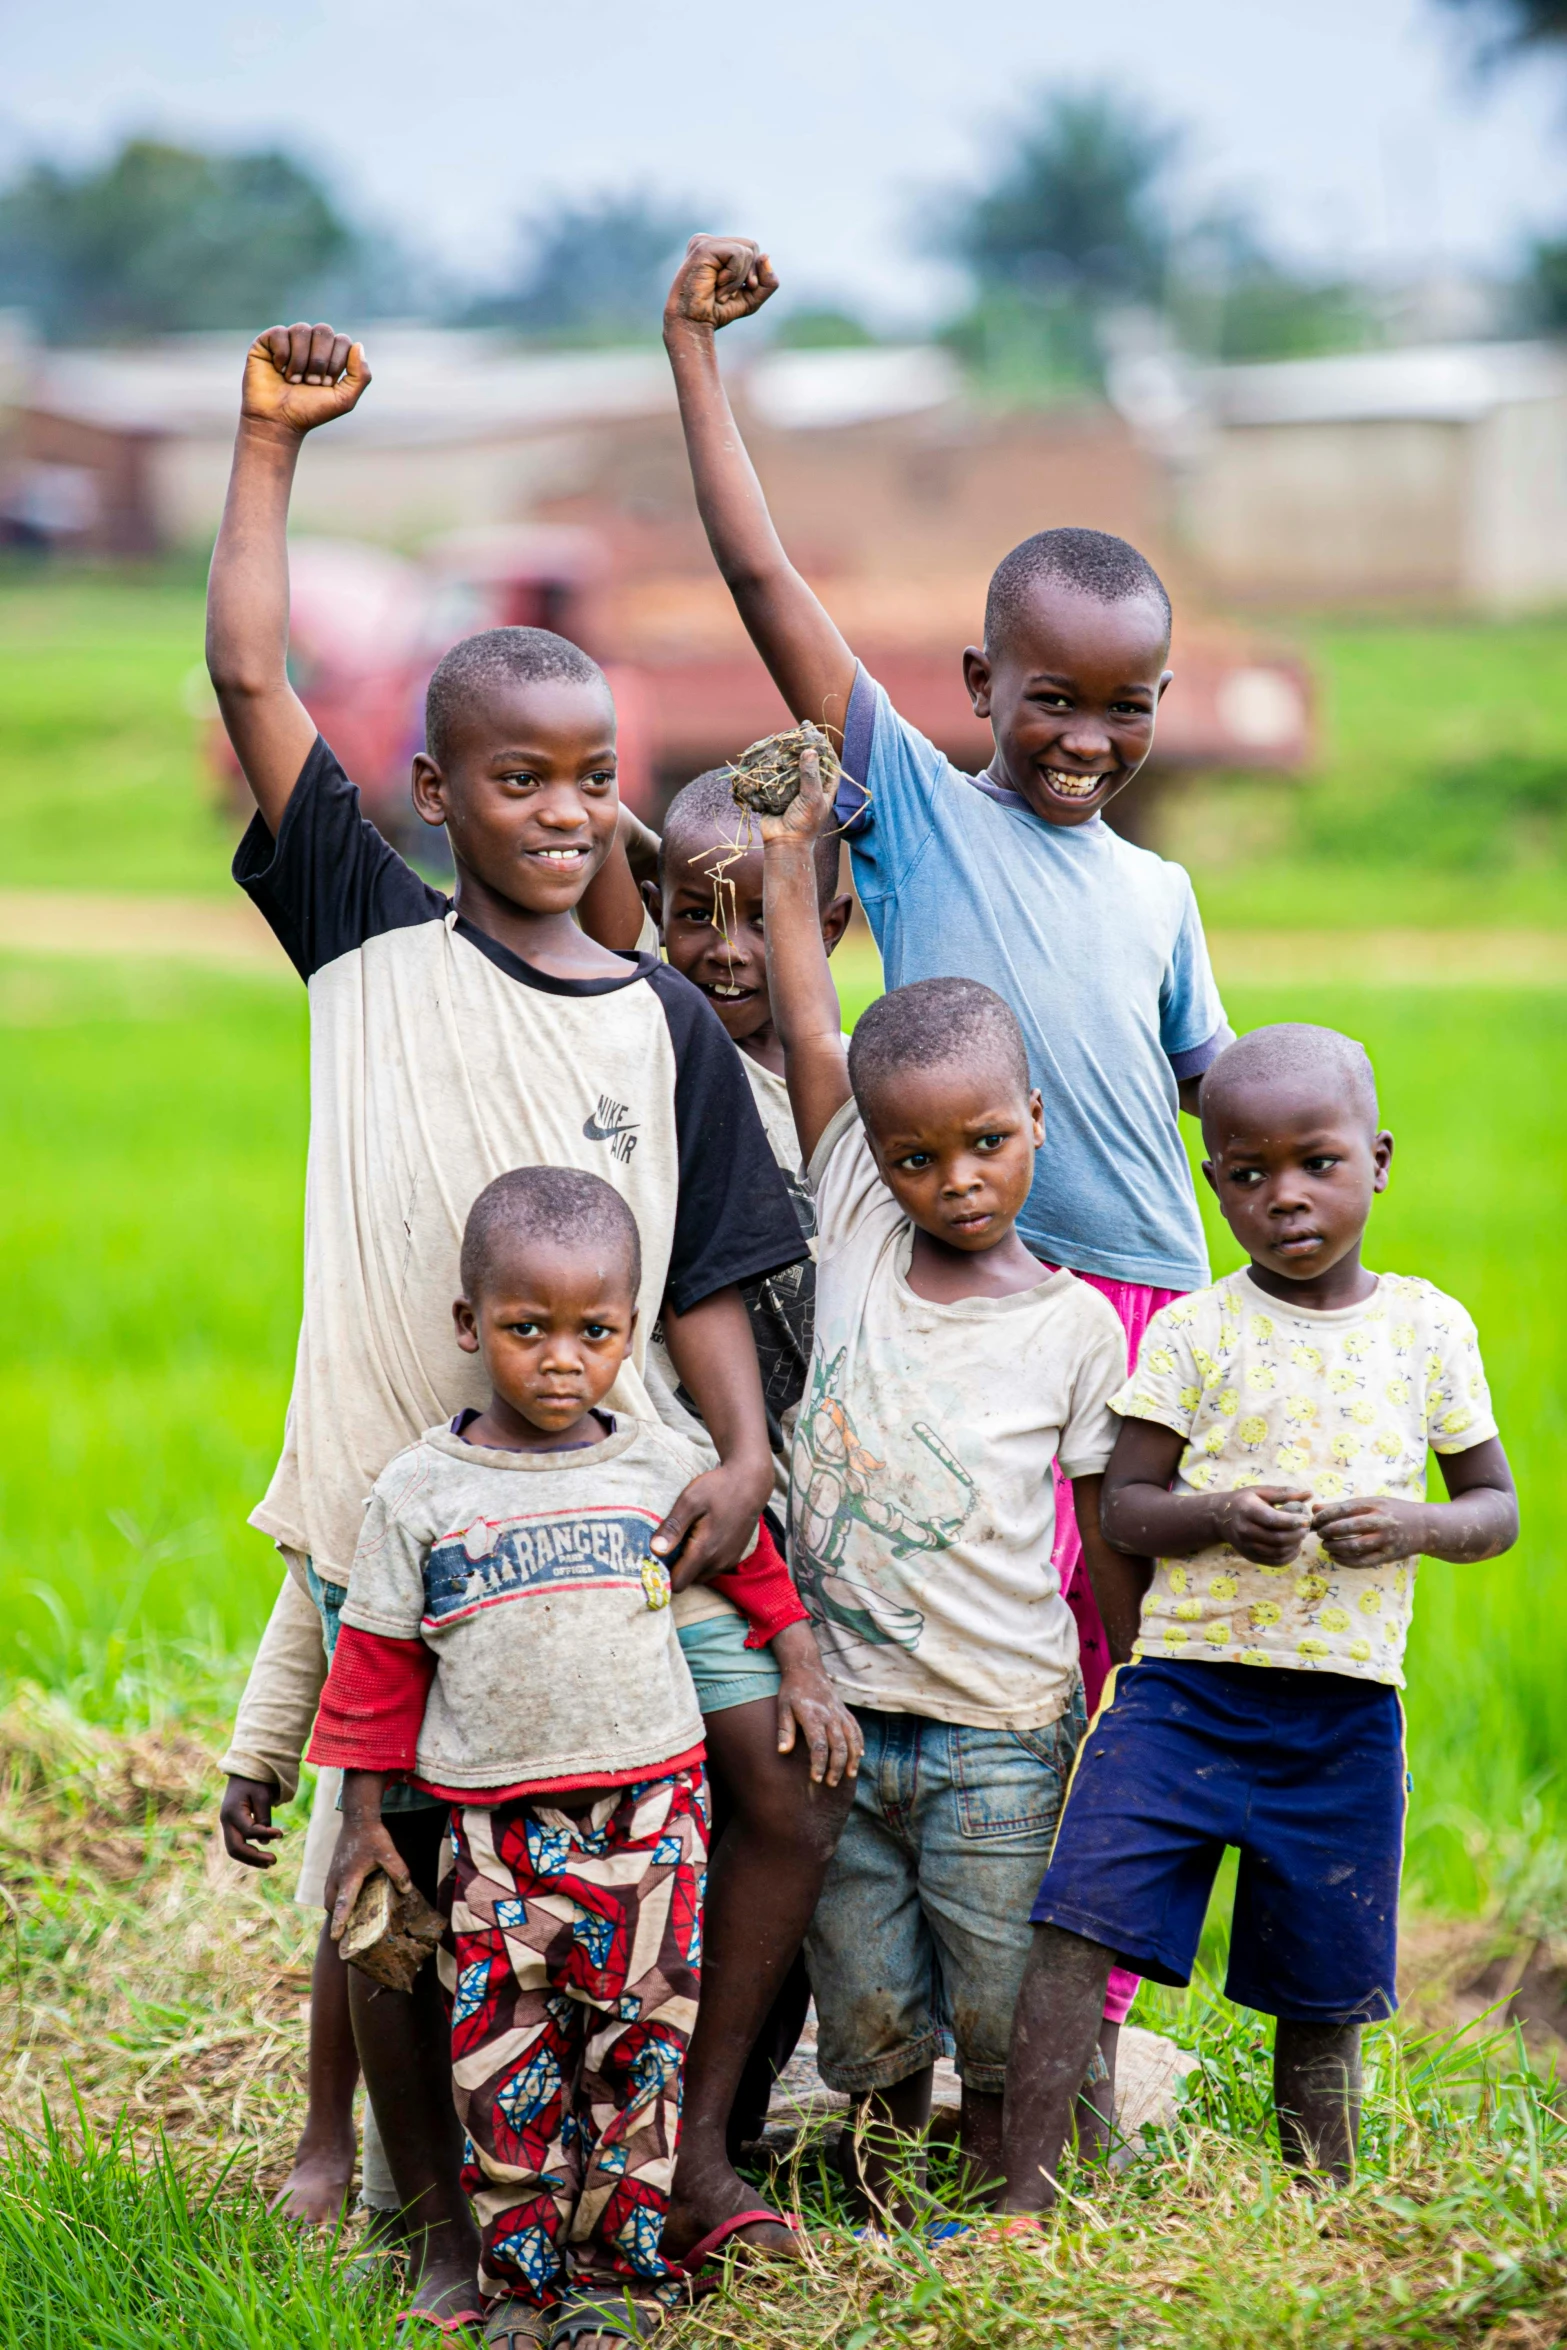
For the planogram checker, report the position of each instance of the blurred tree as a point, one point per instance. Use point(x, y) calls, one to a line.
point(1078, 208)
point(1518, 24)
point(1073, 224)
point(162, 239)
point(1545, 286)
point(594, 272)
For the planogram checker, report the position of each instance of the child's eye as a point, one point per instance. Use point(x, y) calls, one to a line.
point(916, 1162)
point(601, 781)
point(596, 1330)
point(990, 1142)
point(521, 779)
point(523, 1329)
point(1246, 1178)
point(1321, 1164)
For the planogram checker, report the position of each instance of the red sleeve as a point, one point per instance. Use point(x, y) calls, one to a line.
point(762, 1587)
point(373, 1703)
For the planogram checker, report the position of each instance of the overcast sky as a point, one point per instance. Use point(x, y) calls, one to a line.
point(1357, 128)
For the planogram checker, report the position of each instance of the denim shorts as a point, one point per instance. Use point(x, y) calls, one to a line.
point(725, 1672)
point(921, 1935)
point(329, 1598)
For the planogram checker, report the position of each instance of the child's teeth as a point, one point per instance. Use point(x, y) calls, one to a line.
point(1081, 787)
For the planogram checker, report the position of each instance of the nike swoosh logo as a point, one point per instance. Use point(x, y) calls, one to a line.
point(594, 1132)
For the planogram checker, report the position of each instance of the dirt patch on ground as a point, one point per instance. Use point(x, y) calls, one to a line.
point(1479, 1974)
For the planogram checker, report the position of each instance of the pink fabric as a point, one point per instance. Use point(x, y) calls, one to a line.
point(1136, 1306)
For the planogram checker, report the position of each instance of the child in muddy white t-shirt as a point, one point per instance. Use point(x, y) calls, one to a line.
point(950, 1371)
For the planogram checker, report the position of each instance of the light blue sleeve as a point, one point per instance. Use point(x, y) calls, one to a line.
point(889, 817)
point(1192, 1026)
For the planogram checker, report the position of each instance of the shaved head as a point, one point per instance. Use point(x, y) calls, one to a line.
point(563, 1206)
point(1292, 1058)
point(936, 1023)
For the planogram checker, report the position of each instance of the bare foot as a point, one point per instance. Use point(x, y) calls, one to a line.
point(316, 2189)
point(443, 2287)
point(705, 2195)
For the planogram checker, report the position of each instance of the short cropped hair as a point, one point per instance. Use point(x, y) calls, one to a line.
point(929, 1025)
point(1091, 561)
point(500, 656)
point(561, 1204)
point(1293, 1052)
point(706, 805)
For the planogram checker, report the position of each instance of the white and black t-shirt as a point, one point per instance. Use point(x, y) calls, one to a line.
point(438, 1060)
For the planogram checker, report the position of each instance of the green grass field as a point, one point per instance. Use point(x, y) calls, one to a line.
point(153, 1139)
point(152, 1121)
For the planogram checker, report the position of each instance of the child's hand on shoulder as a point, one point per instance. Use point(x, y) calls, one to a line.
point(721, 279)
point(297, 377)
point(809, 1707)
point(1370, 1530)
point(713, 1523)
point(1265, 1523)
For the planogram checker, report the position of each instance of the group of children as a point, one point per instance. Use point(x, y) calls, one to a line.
point(923, 1564)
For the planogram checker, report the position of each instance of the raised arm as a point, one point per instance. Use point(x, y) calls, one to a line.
point(296, 377)
point(720, 280)
point(805, 1005)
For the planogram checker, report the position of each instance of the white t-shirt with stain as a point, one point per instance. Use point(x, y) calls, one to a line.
point(922, 1515)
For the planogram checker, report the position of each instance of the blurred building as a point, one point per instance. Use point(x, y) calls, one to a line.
point(1434, 477)
point(501, 485)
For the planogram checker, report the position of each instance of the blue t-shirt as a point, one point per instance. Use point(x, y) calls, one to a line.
point(1098, 948)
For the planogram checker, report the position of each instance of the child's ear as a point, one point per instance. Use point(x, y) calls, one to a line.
point(1036, 1111)
point(1381, 1160)
point(835, 921)
point(977, 676)
point(653, 899)
point(1213, 1180)
point(467, 1326)
point(429, 790)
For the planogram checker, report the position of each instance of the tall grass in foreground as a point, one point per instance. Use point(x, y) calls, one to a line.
point(1452, 2234)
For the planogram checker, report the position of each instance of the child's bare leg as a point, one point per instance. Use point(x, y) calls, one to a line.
point(763, 1881)
point(1060, 2010)
point(981, 2140)
point(1096, 2099)
point(876, 2149)
point(317, 2186)
point(405, 2046)
point(1316, 2093)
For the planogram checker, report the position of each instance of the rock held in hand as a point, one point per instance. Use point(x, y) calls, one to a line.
point(767, 776)
point(389, 1935)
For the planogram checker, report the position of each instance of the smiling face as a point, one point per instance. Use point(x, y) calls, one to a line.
point(713, 936)
point(955, 1147)
point(526, 789)
point(553, 1323)
point(1295, 1164)
point(1071, 697)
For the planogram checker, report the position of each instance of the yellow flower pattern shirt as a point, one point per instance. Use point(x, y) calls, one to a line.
point(1338, 1404)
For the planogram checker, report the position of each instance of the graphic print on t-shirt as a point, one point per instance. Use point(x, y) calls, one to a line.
point(493, 1561)
point(835, 1489)
point(613, 1123)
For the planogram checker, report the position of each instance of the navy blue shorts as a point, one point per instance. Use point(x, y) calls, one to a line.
point(1303, 1772)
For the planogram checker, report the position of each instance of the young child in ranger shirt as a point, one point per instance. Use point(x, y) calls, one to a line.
point(1271, 1463)
point(702, 889)
point(452, 1039)
point(950, 1371)
point(507, 1642)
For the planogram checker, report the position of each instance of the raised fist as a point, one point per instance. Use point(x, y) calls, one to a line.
point(721, 279)
point(301, 376)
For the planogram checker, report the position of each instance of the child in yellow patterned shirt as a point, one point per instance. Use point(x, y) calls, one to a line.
point(1270, 1478)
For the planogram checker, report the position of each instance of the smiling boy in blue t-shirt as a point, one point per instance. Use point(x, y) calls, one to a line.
point(1010, 877)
